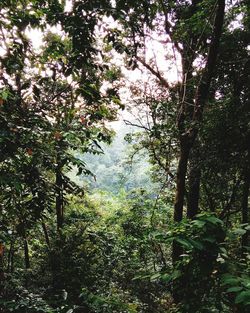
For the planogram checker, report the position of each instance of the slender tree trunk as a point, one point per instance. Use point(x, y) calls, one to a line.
point(180, 183)
point(179, 196)
point(244, 211)
point(26, 260)
point(10, 257)
point(2, 275)
point(26, 253)
point(194, 193)
point(59, 195)
point(194, 184)
point(178, 210)
point(12, 265)
point(23, 234)
point(56, 254)
point(46, 235)
point(54, 259)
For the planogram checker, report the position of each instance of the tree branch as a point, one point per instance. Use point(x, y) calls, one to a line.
point(127, 122)
point(156, 73)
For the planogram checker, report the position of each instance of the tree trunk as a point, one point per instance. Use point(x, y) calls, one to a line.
point(188, 134)
point(2, 276)
point(194, 193)
point(179, 196)
point(12, 267)
point(59, 195)
point(26, 254)
point(10, 257)
point(244, 211)
point(180, 183)
point(194, 184)
point(46, 236)
point(188, 127)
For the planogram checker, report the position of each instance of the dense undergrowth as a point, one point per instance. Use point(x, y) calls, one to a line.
point(114, 255)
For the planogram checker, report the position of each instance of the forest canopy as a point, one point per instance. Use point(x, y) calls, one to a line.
point(149, 217)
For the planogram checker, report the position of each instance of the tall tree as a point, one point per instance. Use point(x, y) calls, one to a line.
point(51, 105)
point(193, 30)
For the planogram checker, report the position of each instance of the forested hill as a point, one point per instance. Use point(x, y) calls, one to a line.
point(119, 166)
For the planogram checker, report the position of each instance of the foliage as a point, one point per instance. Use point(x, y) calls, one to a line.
point(131, 172)
point(117, 249)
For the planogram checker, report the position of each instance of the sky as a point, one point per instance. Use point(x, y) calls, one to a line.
point(158, 52)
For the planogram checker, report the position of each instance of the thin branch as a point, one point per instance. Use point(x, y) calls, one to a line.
point(127, 122)
point(156, 73)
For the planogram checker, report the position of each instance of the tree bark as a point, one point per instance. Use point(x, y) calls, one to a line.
point(2, 275)
point(194, 193)
point(194, 185)
point(26, 253)
point(59, 194)
point(180, 183)
point(244, 211)
point(179, 196)
point(10, 257)
point(46, 236)
point(12, 265)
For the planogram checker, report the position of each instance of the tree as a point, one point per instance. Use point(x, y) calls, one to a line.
point(183, 27)
point(198, 33)
point(50, 106)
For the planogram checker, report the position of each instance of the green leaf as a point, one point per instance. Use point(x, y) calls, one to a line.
point(214, 220)
point(234, 289)
point(197, 244)
point(230, 280)
point(170, 277)
point(243, 297)
point(185, 243)
point(239, 231)
point(198, 223)
point(155, 276)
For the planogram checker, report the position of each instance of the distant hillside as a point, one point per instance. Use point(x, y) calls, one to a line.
point(114, 169)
